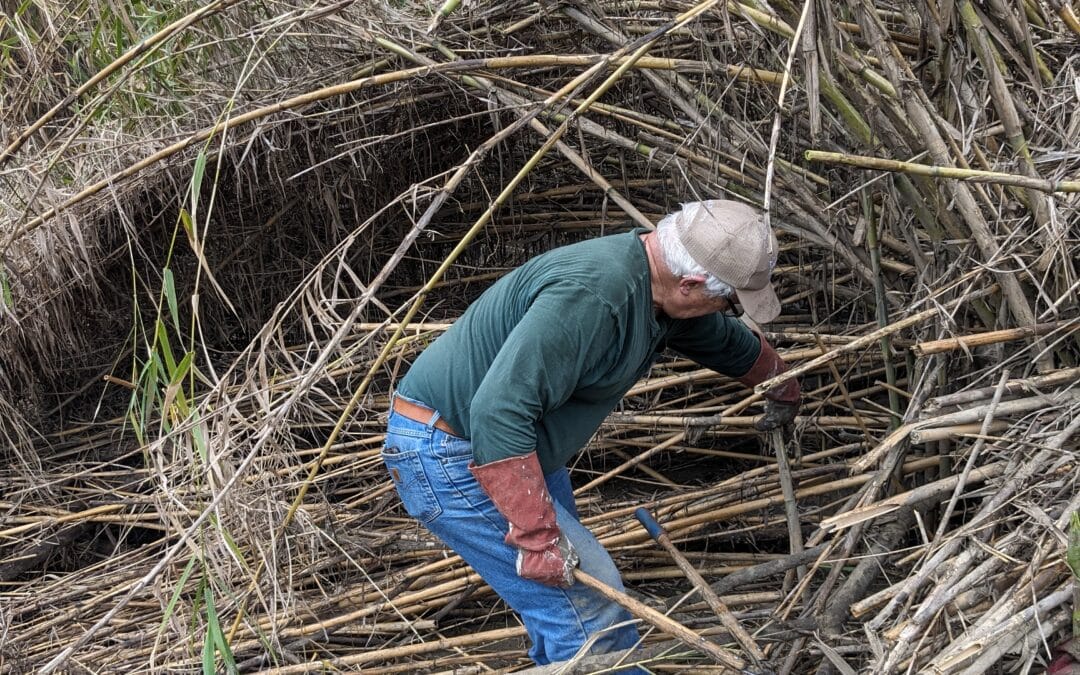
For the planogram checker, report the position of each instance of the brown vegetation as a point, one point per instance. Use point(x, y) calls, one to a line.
point(226, 228)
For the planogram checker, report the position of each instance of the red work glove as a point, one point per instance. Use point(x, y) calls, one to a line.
point(1066, 659)
point(782, 401)
point(516, 486)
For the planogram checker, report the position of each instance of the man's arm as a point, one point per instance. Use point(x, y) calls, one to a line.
point(728, 346)
point(537, 369)
point(782, 401)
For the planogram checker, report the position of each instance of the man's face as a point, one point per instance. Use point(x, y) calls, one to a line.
point(690, 300)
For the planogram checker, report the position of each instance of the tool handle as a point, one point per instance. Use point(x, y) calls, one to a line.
point(655, 529)
point(657, 532)
point(664, 623)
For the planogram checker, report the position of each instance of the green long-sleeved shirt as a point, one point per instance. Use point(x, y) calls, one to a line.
point(542, 357)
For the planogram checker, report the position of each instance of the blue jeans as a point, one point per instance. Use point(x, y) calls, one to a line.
point(430, 469)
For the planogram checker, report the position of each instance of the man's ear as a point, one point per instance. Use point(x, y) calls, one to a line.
point(690, 282)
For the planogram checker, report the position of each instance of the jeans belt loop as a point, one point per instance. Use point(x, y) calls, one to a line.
point(422, 414)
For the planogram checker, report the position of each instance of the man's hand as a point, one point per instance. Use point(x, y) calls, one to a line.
point(516, 486)
point(552, 566)
point(777, 414)
point(782, 401)
point(1066, 659)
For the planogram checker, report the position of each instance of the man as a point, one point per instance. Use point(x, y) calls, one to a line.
point(483, 424)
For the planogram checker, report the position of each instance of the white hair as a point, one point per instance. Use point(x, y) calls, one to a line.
point(681, 264)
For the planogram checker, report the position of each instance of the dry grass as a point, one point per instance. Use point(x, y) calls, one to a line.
point(220, 245)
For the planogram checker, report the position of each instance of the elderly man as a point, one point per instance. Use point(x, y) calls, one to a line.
point(485, 421)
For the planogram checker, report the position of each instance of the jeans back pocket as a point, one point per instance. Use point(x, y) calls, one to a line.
point(407, 471)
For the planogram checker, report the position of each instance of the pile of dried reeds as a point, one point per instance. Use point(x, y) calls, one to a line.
point(208, 291)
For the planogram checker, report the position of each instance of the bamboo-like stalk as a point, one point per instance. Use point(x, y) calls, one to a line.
point(937, 171)
point(1065, 11)
point(398, 652)
point(882, 306)
point(934, 434)
point(1028, 385)
point(994, 337)
point(295, 528)
point(911, 497)
point(664, 623)
point(791, 507)
point(144, 48)
point(863, 341)
point(295, 102)
point(1014, 133)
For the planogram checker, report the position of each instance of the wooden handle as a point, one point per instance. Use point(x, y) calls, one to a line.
point(664, 623)
point(657, 532)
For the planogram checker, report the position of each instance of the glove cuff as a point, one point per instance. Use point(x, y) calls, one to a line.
point(768, 365)
point(516, 486)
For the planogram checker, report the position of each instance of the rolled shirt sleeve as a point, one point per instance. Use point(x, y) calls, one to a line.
point(721, 343)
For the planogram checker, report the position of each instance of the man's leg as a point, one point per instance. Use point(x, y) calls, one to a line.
point(455, 508)
point(611, 626)
point(559, 621)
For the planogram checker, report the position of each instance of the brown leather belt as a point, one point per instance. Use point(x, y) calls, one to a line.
point(421, 414)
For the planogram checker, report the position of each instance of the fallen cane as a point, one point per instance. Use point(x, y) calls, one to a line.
point(664, 623)
point(660, 535)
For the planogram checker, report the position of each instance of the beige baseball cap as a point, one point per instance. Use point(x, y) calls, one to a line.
point(731, 241)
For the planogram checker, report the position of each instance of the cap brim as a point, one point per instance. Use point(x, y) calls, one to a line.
point(761, 305)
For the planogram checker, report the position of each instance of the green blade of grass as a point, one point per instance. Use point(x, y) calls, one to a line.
point(208, 656)
point(147, 390)
point(174, 392)
point(177, 592)
point(196, 180)
point(5, 289)
point(1072, 556)
point(170, 297)
point(215, 636)
point(198, 437)
point(165, 350)
point(231, 543)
